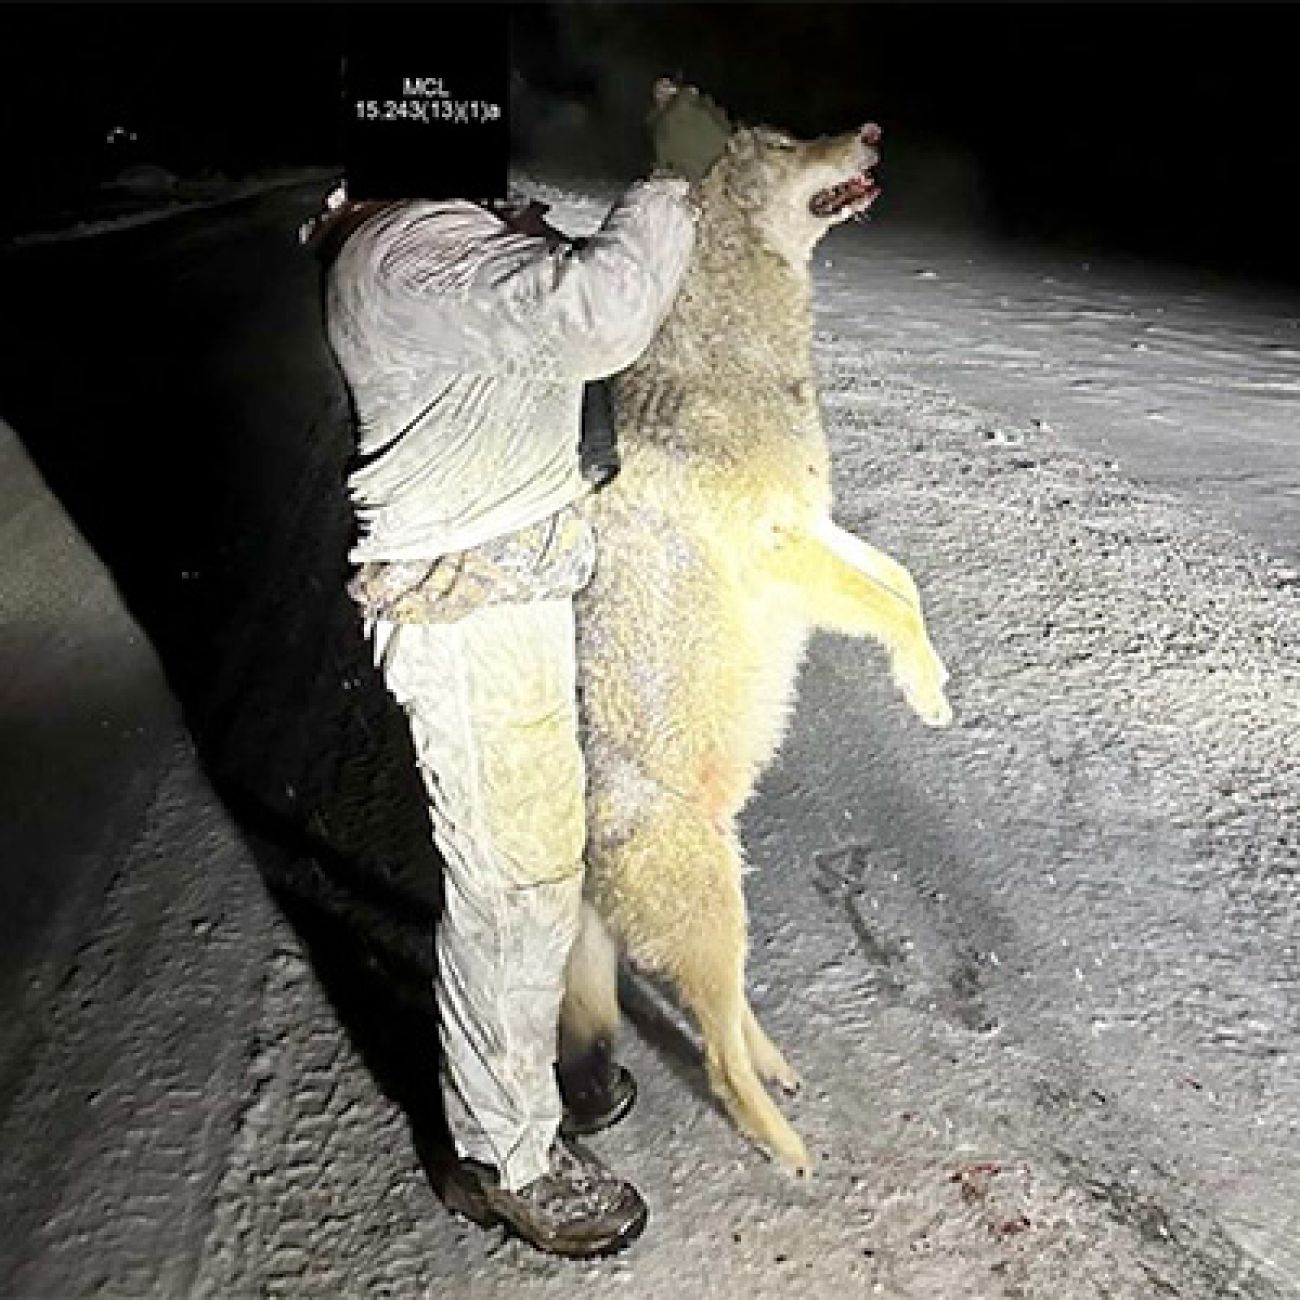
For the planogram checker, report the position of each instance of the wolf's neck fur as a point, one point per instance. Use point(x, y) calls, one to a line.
point(739, 287)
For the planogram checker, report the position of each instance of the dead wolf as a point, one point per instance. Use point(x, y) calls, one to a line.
point(717, 558)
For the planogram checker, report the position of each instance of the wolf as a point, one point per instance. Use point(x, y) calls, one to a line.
point(718, 556)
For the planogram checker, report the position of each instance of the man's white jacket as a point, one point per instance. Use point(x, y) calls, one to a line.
point(466, 346)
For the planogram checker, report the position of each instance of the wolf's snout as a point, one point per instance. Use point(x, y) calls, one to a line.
point(856, 153)
point(870, 137)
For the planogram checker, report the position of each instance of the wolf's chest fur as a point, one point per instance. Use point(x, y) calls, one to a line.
point(688, 650)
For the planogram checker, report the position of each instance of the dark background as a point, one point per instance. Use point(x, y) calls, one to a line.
point(1166, 129)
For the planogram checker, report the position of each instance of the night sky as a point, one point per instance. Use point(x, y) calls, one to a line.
point(1166, 130)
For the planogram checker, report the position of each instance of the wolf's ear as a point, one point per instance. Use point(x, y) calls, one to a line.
point(742, 144)
point(743, 183)
point(665, 91)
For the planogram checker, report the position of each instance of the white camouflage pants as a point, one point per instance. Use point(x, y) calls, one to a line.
point(491, 703)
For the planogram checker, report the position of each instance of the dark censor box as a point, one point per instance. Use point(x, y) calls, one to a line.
point(425, 101)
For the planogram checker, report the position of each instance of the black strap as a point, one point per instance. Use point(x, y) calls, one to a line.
point(598, 447)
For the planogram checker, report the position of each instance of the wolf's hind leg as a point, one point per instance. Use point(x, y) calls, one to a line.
point(679, 908)
point(589, 1014)
point(709, 976)
point(769, 1064)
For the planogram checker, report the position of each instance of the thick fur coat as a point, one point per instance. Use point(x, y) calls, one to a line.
point(717, 558)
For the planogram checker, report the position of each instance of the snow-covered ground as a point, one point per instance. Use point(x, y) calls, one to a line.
point(1039, 971)
point(145, 195)
point(133, 923)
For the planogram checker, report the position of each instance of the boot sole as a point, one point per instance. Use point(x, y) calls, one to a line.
point(473, 1204)
point(574, 1124)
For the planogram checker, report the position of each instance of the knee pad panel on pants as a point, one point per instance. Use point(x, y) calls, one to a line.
point(492, 705)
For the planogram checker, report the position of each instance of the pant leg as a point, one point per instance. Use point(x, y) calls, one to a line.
point(491, 703)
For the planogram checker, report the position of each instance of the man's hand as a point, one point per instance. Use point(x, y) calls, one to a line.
point(688, 130)
point(530, 221)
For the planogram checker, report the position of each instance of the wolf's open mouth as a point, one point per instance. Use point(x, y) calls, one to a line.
point(835, 198)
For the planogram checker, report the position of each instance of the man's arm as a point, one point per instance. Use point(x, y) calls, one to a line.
point(449, 290)
point(606, 298)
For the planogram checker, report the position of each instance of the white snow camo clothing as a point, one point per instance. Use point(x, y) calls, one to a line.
point(466, 346)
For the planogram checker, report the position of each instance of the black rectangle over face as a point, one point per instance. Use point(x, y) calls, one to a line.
point(425, 101)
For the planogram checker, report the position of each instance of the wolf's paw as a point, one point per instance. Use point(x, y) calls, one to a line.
point(921, 678)
point(788, 1150)
point(772, 1067)
point(934, 712)
point(783, 1074)
point(789, 1081)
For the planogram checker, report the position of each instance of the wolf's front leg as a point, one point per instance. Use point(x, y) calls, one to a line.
point(847, 586)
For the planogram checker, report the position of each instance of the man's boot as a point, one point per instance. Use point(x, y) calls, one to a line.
point(595, 1091)
point(577, 1209)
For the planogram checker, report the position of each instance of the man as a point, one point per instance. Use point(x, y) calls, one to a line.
point(467, 333)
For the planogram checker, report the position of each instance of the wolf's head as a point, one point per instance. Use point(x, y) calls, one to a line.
point(794, 190)
point(791, 190)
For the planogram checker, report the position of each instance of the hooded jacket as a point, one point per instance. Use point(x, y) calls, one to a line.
point(466, 346)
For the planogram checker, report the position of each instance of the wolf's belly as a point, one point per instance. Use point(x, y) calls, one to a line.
point(686, 661)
